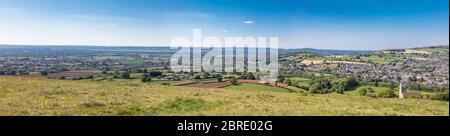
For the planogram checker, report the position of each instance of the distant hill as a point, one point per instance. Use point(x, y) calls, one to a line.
point(439, 49)
point(40, 96)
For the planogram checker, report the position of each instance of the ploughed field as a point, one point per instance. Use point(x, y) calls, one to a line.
point(41, 96)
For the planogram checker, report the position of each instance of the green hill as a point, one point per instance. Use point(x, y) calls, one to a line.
point(38, 96)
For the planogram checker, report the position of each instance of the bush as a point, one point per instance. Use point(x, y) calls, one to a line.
point(44, 73)
point(345, 84)
point(321, 86)
point(385, 94)
point(219, 78)
point(125, 75)
point(234, 81)
point(439, 96)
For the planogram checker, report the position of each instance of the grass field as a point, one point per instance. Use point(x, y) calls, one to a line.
point(33, 96)
point(375, 59)
point(247, 86)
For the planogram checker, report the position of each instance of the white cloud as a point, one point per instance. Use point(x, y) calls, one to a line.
point(248, 22)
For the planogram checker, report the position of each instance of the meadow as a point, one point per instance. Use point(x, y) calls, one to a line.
point(39, 96)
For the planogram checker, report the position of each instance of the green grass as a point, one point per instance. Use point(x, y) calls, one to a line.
point(296, 89)
point(375, 59)
point(247, 86)
point(38, 96)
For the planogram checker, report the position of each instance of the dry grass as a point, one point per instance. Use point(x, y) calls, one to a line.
point(31, 96)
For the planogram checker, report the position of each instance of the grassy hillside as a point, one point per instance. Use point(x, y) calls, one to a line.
point(37, 96)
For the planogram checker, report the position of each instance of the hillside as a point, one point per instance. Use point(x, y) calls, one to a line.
point(39, 96)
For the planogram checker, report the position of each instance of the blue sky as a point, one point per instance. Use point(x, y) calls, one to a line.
point(330, 24)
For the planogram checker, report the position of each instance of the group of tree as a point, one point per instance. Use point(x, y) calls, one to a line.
point(324, 85)
point(14, 72)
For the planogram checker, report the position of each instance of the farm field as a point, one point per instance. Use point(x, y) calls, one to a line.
point(67, 74)
point(39, 96)
point(209, 85)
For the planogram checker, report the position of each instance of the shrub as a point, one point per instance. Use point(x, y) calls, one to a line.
point(44, 73)
point(146, 78)
point(234, 81)
point(219, 78)
point(345, 84)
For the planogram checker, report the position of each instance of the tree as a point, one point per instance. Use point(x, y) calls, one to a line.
point(219, 78)
point(125, 75)
point(12, 72)
point(345, 84)
point(155, 73)
point(116, 73)
point(281, 79)
point(197, 77)
point(250, 76)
